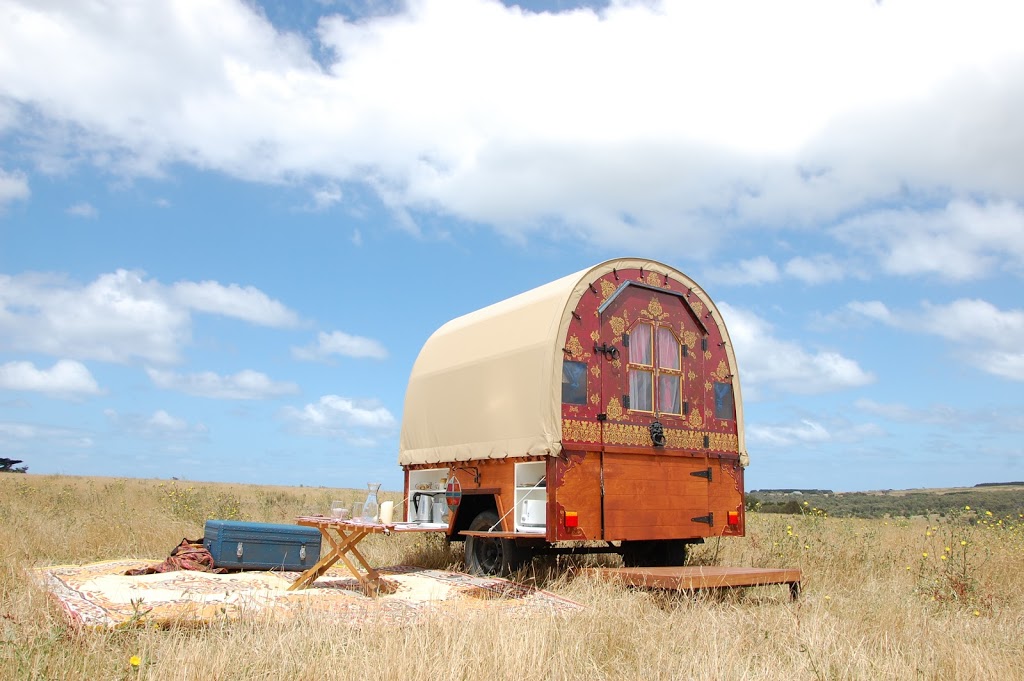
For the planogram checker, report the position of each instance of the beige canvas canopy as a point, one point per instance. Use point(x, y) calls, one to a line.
point(487, 385)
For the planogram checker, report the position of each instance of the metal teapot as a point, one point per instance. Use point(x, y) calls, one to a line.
point(424, 504)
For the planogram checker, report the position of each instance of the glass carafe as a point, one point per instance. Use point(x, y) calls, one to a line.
point(370, 506)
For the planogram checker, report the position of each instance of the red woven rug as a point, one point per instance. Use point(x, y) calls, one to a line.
point(101, 595)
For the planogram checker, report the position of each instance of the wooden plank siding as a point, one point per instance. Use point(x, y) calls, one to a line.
point(648, 496)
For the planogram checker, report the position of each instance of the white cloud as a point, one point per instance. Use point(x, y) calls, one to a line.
point(13, 186)
point(752, 272)
point(340, 343)
point(245, 385)
point(769, 364)
point(995, 337)
point(808, 432)
point(246, 303)
point(325, 197)
point(121, 316)
point(66, 378)
point(160, 425)
point(690, 125)
point(963, 240)
point(783, 436)
point(13, 434)
point(936, 414)
point(344, 417)
point(816, 269)
point(117, 317)
point(83, 209)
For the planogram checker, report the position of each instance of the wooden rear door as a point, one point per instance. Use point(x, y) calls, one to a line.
point(653, 383)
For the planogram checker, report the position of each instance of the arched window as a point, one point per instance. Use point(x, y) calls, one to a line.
point(654, 361)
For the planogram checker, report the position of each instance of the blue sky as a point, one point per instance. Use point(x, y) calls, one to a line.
point(226, 228)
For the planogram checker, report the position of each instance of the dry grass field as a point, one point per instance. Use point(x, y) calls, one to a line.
point(939, 598)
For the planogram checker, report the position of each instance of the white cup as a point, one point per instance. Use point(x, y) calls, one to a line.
point(387, 512)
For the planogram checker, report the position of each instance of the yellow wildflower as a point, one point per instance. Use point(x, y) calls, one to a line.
point(135, 661)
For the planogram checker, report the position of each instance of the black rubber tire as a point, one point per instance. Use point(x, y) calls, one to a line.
point(654, 553)
point(492, 557)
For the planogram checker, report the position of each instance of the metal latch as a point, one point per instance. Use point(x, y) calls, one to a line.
point(302, 552)
point(703, 474)
point(238, 551)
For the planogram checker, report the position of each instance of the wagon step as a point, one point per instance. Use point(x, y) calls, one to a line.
point(701, 577)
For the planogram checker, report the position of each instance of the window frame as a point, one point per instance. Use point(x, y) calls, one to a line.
point(654, 369)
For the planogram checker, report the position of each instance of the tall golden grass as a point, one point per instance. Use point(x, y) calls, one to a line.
point(886, 599)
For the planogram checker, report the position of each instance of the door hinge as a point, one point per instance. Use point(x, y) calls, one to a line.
point(602, 417)
point(703, 474)
point(625, 340)
point(686, 408)
point(704, 344)
point(707, 441)
point(625, 401)
point(709, 519)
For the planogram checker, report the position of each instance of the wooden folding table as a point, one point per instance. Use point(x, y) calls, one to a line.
point(343, 537)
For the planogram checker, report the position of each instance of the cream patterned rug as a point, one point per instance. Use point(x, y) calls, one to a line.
point(100, 595)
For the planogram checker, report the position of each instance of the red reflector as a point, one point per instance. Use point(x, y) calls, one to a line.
point(733, 518)
point(572, 519)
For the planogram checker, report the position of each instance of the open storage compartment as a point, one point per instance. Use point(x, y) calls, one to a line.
point(531, 498)
point(427, 482)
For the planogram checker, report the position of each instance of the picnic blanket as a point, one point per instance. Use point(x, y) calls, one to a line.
point(101, 595)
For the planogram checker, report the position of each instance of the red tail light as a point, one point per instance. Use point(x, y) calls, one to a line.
point(572, 519)
point(733, 518)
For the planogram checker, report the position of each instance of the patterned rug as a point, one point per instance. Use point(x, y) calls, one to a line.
point(100, 595)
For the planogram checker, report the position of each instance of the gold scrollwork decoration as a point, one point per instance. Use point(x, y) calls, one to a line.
point(653, 279)
point(574, 346)
point(721, 372)
point(640, 436)
point(624, 434)
point(596, 370)
point(581, 431)
point(696, 420)
point(690, 339)
point(614, 409)
point(654, 310)
point(607, 288)
point(697, 306)
point(595, 335)
point(618, 325)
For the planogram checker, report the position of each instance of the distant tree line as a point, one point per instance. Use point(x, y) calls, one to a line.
point(8, 466)
point(1000, 484)
point(893, 503)
point(794, 490)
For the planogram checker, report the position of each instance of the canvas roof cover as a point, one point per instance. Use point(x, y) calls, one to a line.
point(487, 385)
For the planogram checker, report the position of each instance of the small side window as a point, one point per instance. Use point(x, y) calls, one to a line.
point(725, 405)
point(574, 382)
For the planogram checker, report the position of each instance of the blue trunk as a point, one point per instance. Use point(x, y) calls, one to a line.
point(261, 546)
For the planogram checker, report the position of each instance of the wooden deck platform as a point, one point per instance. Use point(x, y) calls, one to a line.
point(702, 577)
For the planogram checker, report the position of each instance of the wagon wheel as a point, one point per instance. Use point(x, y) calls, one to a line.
point(492, 556)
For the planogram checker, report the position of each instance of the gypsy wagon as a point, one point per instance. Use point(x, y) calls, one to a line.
point(599, 412)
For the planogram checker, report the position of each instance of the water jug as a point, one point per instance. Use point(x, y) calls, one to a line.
point(424, 505)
